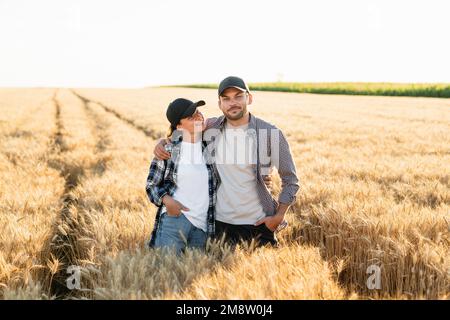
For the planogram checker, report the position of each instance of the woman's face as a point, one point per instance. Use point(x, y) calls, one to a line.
point(193, 124)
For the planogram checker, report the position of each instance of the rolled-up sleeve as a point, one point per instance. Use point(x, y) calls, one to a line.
point(283, 161)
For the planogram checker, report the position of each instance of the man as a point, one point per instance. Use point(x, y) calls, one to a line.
point(245, 148)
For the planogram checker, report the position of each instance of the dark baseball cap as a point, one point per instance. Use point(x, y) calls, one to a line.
point(232, 82)
point(181, 108)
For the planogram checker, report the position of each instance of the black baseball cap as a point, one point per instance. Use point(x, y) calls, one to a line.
point(234, 82)
point(181, 108)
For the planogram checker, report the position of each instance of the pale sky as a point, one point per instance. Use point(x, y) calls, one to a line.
point(131, 43)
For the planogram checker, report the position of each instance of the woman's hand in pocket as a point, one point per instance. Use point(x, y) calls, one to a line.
point(173, 206)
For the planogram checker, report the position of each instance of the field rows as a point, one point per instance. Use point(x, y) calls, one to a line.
point(374, 191)
point(101, 212)
point(100, 195)
point(26, 147)
point(375, 188)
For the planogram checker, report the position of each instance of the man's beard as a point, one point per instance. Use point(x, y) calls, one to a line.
point(237, 116)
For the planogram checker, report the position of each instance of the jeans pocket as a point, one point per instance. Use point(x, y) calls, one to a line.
point(171, 216)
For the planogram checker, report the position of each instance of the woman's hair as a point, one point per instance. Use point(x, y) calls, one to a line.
point(171, 130)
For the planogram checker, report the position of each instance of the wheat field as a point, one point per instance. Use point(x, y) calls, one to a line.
point(375, 193)
point(437, 90)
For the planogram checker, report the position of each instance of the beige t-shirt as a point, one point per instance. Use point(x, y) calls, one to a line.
point(237, 197)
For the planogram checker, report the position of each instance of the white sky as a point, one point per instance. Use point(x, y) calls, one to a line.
point(131, 43)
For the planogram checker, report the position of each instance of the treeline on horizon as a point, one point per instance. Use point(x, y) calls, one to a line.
point(437, 90)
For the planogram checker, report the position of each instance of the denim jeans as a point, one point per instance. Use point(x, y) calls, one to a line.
point(178, 233)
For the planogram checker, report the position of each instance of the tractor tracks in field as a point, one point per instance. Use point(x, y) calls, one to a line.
point(101, 136)
point(71, 240)
point(58, 250)
point(71, 243)
point(149, 132)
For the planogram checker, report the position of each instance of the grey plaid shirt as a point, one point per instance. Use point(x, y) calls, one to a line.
point(272, 150)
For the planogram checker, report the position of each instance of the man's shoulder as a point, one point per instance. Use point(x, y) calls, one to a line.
point(262, 124)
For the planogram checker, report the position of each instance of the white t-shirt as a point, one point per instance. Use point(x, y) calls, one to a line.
point(192, 183)
point(237, 197)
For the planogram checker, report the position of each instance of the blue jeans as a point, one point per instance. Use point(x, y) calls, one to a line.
point(178, 233)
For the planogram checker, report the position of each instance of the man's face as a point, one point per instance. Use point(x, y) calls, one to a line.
point(233, 103)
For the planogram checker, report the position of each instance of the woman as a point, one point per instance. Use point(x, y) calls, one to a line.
point(184, 186)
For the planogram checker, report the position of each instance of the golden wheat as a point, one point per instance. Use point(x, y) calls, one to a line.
point(30, 186)
point(375, 191)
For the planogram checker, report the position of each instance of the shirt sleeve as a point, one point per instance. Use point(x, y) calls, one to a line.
point(155, 182)
point(283, 161)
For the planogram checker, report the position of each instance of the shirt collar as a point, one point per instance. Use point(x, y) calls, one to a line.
point(177, 137)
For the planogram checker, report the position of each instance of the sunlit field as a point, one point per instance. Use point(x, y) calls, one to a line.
point(437, 90)
point(374, 201)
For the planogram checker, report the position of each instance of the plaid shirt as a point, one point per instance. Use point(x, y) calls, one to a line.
point(162, 180)
point(272, 150)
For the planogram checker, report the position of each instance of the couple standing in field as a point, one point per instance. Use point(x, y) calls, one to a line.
point(210, 180)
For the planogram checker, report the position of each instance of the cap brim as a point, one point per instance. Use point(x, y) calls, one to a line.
point(191, 109)
point(242, 89)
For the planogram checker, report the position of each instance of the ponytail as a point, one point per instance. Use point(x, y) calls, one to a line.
point(170, 131)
